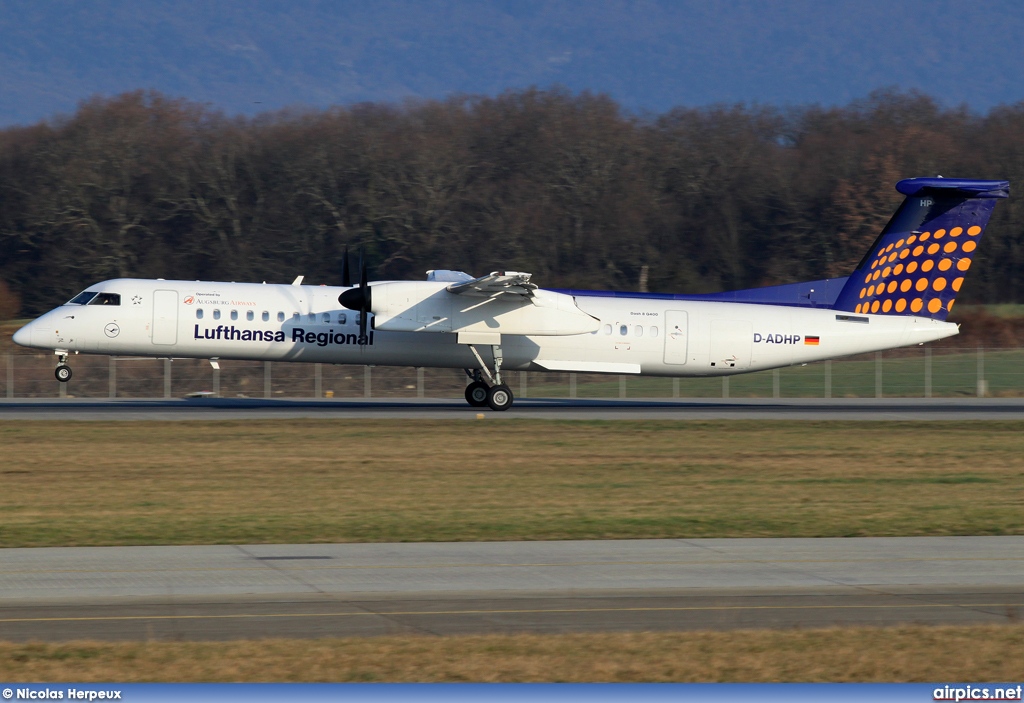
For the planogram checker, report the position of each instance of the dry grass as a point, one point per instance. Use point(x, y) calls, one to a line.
point(912, 653)
point(334, 481)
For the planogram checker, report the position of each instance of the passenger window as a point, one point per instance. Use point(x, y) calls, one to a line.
point(654, 331)
point(249, 315)
point(280, 317)
point(638, 331)
point(234, 314)
point(216, 314)
point(312, 317)
point(106, 299)
point(607, 329)
point(342, 318)
point(623, 330)
point(199, 313)
point(266, 316)
point(296, 316)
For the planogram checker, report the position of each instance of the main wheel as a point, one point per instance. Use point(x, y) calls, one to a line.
point(476, 394)
point(499, 397)
point(63, 373)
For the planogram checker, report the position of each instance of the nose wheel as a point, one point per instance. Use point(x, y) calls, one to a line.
point(63, 371)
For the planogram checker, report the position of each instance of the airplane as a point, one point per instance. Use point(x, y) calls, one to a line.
point(898, 295)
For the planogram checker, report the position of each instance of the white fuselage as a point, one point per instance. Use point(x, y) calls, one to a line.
point(641, 335)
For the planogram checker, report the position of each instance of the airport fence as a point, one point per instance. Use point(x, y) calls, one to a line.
point(916, 372)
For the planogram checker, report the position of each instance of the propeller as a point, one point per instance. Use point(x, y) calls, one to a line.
point(358, 298)
point(364, 290)
point(346, 277)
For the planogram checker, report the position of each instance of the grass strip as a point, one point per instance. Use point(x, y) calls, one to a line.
point(302, 481)
point(899, 654)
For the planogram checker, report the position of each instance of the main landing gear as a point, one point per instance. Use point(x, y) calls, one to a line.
point(63, 371)
point(479, 392)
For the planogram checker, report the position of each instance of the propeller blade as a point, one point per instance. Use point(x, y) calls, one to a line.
point(364, 289)
point(358, 297)
point(346, 277)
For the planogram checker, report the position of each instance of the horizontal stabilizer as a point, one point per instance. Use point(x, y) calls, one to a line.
point(966, 187)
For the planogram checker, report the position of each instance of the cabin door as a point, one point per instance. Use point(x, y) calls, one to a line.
point(165, 317)
point(675, 336)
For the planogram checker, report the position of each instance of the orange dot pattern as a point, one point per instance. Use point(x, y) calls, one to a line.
point(939, 259)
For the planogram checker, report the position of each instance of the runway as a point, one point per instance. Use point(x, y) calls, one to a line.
point(228, 592)
point(866, 409)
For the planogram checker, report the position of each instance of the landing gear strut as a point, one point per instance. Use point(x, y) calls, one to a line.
point(63, 371)
point(495, 394)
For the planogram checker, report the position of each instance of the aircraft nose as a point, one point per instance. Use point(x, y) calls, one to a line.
point(23, 337)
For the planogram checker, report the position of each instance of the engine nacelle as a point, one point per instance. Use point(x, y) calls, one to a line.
point(427, 306)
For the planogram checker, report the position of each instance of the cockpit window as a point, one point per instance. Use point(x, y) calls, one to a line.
point(82, 298)
point(106, 299)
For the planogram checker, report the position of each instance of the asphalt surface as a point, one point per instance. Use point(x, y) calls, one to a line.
point(878, 409)
point(228, 592)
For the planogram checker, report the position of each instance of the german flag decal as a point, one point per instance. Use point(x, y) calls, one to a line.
point(812, 340)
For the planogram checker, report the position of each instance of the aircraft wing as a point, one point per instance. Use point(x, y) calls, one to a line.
point(496, 283)
point(500, 303)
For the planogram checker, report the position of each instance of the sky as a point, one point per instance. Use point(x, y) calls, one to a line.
point(250, 56)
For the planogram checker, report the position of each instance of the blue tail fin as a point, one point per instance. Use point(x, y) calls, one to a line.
point(918, 263)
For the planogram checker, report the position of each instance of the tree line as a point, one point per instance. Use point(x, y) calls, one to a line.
point(567, 186)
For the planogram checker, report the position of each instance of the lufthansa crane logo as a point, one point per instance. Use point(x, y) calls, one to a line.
point(111, 330)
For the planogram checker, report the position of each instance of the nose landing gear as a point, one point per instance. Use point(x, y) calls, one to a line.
point(63, 371)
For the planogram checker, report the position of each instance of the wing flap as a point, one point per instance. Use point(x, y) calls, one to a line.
point(496, 283)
